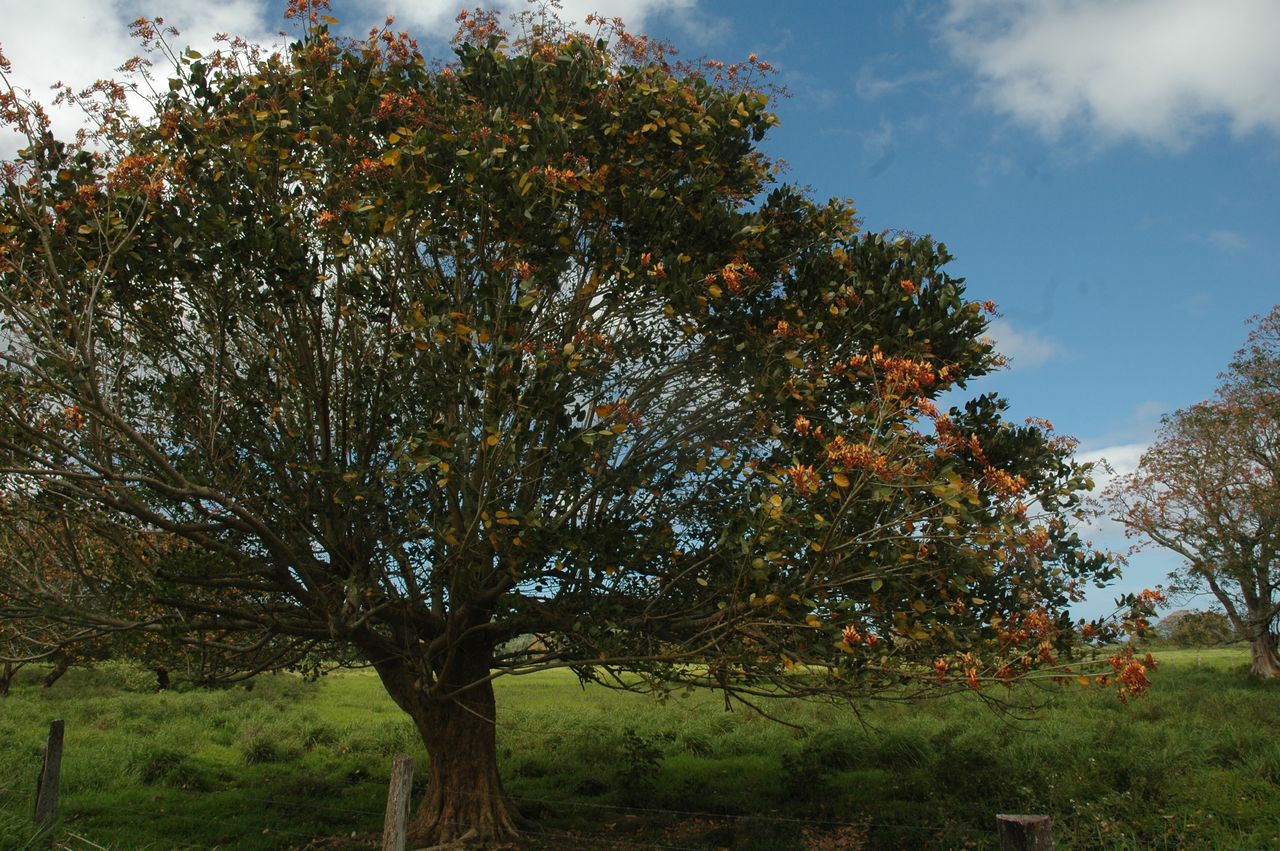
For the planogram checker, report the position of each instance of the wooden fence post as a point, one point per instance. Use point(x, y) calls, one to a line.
point(396, 823)
point(1025, 833)
point(47, 787)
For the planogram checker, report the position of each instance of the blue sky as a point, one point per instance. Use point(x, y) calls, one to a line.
point(1106, 170)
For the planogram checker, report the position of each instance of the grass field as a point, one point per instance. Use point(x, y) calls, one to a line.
point(1191, 765)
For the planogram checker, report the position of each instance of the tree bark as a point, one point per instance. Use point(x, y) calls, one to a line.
point(6, 677)
point(1266, 663)
point(464, 796)
point(60, 666)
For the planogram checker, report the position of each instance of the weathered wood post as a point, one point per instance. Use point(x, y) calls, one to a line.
point(396, 823)
point(47, 787)
point(1025, 833)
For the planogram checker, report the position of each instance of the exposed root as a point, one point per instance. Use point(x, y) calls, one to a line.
point(453, 844)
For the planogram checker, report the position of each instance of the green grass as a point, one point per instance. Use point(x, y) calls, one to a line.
point(1190, 765)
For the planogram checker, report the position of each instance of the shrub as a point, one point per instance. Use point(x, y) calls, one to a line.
point(637, 771)
point(315, 734)
point(161, 765)
point(258, 748)
point(125, 675)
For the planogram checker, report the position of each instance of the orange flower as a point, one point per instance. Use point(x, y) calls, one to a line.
point(908, 287)
point(1003, 483)
point(853, 456)
point(1150, 597)
point(74, 418)
point(803, 478)
point(304, 9)
point(1131, 674)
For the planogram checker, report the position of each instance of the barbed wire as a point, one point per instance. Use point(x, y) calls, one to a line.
point(310, 837)
point(541, 730)
point(624, 808)
point(581, 837)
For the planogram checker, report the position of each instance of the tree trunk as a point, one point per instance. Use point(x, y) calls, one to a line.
point(1265, 661)
point(162, 677)
point(6, 677)
point(60, 666)
point(464, 796)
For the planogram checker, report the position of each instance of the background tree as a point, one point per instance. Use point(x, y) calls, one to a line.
point(1208, 489)
point(418, 359)
point(79, 589)
point(34, 578)
point(1202, 629)
point(1164, 627)
point(28, 636)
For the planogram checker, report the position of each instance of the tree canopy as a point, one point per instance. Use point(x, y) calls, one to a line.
point(1200, 629)
point(415, 358)
point(1208, 489)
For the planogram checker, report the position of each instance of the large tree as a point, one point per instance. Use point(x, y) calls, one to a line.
point(417, 358)
point(1208, 490)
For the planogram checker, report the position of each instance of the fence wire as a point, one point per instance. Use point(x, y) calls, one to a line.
point(580, 839)
point(373, 817)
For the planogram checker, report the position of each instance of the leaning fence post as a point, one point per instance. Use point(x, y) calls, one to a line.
point(1025, 833)
point(395, 824)
point(47, 786)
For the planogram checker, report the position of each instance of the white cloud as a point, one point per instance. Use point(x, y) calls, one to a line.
point(1151, 409)
point(436, 17)
point(1228, 240)
point(1196, 304)
point(80, 41)
point(1116, 461)
point(1022, 348)
point(869, 86)
point(1122, 459)
point(1159, 71)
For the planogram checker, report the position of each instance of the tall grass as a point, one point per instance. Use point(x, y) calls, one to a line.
point(1191, 765)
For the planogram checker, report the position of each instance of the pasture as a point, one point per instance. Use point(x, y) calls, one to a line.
point(293, 764)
